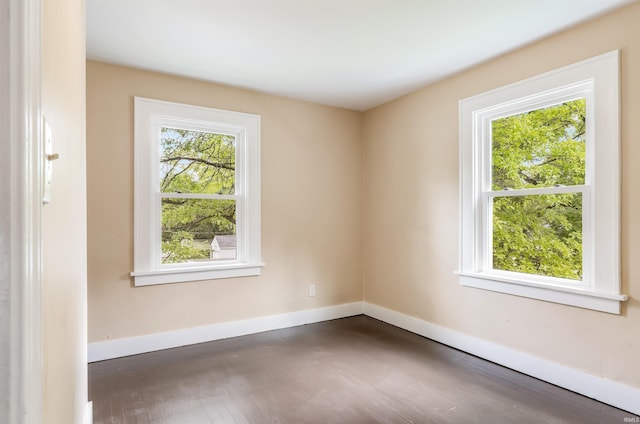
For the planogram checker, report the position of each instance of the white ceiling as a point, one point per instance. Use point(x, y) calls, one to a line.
point(355, 54)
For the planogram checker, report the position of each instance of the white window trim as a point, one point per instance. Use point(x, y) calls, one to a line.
point(598, 80)
point(149, 116)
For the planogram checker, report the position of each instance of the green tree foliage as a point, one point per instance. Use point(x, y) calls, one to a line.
point(195, 163)
point(539, 233)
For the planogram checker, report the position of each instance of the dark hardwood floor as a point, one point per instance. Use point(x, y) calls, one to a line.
point(354, 371)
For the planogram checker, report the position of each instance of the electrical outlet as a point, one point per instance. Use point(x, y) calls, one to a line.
point(312, 290)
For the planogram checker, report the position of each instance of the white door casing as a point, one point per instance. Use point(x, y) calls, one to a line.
point(20, 207)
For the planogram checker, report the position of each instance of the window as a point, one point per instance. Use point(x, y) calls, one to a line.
point(197, 198)
point(539, 175)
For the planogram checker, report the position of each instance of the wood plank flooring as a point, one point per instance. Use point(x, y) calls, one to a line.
point(354, 371)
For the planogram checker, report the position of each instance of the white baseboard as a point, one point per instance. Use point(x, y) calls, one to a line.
point(607, 391)
point(117, 348)
point(88, 413)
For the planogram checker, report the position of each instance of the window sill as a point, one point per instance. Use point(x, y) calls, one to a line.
point(181, 275)
point(604, 302)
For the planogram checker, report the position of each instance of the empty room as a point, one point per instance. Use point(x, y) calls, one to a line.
point(322, 212)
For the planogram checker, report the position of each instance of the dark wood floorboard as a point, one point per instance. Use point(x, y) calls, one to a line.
point(354, 370)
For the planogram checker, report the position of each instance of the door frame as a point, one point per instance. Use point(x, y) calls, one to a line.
point(23, 228)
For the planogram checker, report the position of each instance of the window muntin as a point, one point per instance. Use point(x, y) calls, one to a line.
point(587, 196)
point(197, 203)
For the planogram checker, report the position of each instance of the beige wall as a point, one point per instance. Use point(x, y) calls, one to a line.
point(314, 159)
point(311, 208)
point(411, 155)
point(64, 219)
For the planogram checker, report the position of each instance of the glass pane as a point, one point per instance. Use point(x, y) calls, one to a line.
point(539, 234)
point(541, 148)
point(198, 230)
point(197, 162)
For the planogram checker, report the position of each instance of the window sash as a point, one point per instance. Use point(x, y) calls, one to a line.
point(485, 252)
point(482, 128)
point(241, 251)
point(157, 123)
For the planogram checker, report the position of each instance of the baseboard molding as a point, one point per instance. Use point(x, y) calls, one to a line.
point(117, 348)
point(88, 413)
point(607, 391)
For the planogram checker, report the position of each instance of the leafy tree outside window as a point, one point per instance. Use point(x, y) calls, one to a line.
point(197, 163)
point(539, 233)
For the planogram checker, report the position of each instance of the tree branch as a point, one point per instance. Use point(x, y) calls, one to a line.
point(172, 176)
point(204, 161)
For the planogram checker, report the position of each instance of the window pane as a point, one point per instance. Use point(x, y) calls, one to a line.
point(541, 148)
point(539, 234)
point(195, 230)
point(197, 162)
